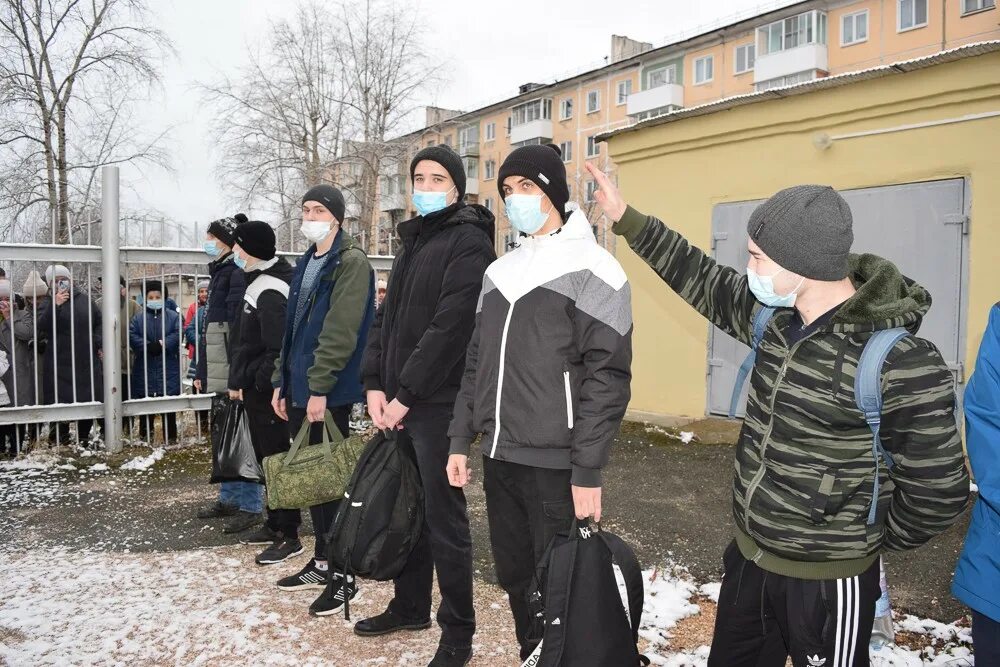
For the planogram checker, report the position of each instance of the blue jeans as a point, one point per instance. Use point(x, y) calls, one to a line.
point(248, 496)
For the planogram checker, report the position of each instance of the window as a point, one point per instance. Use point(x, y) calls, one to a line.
point(911, 14)
point(970, 6)
point(471, 167)
point(567, 151)
point(589, 189)
point(566, 109)
point(488, 204)
point(593, 148)
point(491, 131)
point(854, 28)
point(745, 57)
point(531, 111)
point(703, 69)
point(489, 170)
point(624, 90)
point(593, 101)
point(808, 28)
point(661, 76)
point(468, 138)
point(447, 141)
point(789, 80)
point(528, 142)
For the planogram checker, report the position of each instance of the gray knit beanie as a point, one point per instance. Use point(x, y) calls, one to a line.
point(806, 229)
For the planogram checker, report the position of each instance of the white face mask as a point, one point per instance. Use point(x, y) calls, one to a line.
point(316, 230)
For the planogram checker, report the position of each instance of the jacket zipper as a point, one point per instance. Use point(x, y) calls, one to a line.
point(503, 358)
point(569, 401)
point(755, 482)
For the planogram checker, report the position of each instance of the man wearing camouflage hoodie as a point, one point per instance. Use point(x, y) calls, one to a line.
point(802, 575)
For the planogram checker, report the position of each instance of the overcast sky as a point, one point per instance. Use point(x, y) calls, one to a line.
point(488, 48)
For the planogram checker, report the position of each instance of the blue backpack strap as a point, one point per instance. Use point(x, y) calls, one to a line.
point(868, 396)
point(760, 320)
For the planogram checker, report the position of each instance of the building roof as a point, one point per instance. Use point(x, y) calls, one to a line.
point(836, 81)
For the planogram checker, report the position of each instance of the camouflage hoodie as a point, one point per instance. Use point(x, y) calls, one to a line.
point(804, 465)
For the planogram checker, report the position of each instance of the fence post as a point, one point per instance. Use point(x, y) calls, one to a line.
point(111, 308)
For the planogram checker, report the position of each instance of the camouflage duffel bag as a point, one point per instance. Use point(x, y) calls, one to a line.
point(308, 475)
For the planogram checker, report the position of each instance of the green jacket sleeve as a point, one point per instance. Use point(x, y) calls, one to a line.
point(342, 324)
point(920, 431)
point(718, 292)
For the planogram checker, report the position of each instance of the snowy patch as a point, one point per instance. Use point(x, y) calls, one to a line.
point(687, 437)
point(98, 467)
point(667, 601)
point(939, 631)
point(711, 591)
point(144, 462)
point(898, 656)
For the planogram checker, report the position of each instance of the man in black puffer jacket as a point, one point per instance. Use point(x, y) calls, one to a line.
point(413, 368)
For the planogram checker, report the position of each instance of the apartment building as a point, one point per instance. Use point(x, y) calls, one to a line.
point(795, 43)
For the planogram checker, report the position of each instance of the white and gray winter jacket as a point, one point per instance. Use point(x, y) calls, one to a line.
point(547, 378)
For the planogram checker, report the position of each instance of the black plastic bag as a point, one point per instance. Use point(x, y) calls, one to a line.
point(233, 456)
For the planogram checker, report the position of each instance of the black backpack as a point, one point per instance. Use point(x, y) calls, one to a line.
point(587, 602)
point(380, 517)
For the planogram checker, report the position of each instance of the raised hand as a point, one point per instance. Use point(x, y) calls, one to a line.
point(607, 195)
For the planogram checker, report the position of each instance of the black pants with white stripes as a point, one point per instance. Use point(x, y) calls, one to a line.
point(763, 618)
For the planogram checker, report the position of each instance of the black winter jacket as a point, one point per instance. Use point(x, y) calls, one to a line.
point(416, 349)
point(260, 328)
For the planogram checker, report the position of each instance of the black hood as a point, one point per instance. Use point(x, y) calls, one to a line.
point(458, 213)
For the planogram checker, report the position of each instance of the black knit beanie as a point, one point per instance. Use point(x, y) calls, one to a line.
point(447, 158)
point(256, 238)
point(806, 229)
point(223, 228)
point(328, 196)
point(543, 166)
point(155, 286)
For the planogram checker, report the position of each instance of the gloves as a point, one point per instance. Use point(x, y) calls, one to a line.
point(154, 348)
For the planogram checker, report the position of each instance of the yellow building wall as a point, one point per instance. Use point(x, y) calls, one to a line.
point(680, 170)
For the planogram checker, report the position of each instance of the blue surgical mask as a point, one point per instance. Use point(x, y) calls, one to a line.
point(430, 202)
point(212, 248)
point(763, 288)
point(525, 212)
point(239, 261)
point(154, 304)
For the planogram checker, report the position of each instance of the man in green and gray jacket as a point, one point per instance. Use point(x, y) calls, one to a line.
point(802, 575)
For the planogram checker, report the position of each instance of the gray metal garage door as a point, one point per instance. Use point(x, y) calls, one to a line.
point(922, 227)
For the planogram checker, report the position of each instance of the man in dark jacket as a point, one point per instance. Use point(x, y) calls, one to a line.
point(413, 368)
point(547, 376)
point(331, 305)
point(805, 561)
point(256, 344)
point(241, 500)
point(155, 338)
point(70, 325)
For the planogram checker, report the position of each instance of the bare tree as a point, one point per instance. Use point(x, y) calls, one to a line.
point(280, 123)
point(70, 72)
point(386, 66)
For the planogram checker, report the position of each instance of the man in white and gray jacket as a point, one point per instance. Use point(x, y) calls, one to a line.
point(547, 378)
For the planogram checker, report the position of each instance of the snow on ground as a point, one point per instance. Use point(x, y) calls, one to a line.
point(144, 462)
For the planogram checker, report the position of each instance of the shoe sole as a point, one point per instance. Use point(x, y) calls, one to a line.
point(398, 628)
point(257, 543)
point(301, 587)
point(337, 610)
point(281, 560)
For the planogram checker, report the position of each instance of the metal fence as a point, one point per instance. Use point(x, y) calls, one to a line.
point(87, 364)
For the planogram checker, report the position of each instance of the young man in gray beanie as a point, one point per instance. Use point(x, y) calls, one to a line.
point(802, 575)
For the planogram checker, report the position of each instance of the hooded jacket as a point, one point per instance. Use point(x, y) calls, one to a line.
point(156, 370)
point(225, 296)
point(977, 576)
point(416, 349)
point(804, 465)
point(547, 378)
point(259, 330)
point(71, 332)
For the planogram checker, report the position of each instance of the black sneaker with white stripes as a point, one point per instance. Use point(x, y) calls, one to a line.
point(279, 552)
point(333, 597)
point(310, 577)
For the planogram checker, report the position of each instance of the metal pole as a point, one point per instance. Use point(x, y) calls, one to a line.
point(110, 309)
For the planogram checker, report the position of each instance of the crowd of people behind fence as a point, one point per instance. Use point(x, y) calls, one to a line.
point(530, 354)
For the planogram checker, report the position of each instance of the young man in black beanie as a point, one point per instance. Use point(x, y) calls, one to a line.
point(412, 368)
point(814, 503)
point(331, 305)
point(547, 378)
point(256, 341)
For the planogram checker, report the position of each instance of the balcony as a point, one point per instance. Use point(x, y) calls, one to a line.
point(469, 149)
point(396, 202)
point(805, 58)
point(669, 95)
point(472, 186)
point(534, 129)
point(352, 207)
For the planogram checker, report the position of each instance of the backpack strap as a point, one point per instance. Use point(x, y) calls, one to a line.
point(760, 320)
point(261, 285)
point(627, 567)
point(868, 396)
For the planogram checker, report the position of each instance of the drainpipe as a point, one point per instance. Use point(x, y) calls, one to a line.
point(944, 24)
